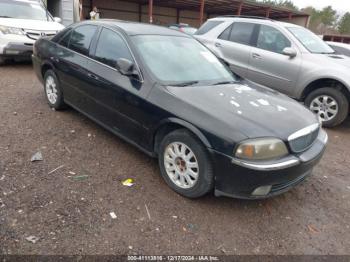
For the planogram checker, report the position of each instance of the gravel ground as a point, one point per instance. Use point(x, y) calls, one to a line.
point(68, 210)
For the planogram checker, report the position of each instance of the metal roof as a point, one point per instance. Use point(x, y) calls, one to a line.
point(223, 7)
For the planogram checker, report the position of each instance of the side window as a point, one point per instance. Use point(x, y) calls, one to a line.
point(81, 39)
point(226, 34)
point(111, 47)
point(207, 26)
point(242, 33)
point(65, 40)
point(272, 40)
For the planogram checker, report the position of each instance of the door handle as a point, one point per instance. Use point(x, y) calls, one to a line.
point(93, 76)
point(218, 45)
point(256, 56)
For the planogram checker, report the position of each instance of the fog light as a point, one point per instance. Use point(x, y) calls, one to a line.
point(262, 191)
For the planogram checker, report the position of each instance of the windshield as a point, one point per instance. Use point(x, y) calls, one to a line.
point(23, 10)
point(311, 41)
point(176, 60)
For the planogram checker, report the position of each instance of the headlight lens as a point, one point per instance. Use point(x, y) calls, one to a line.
point(11, 30)
point(261, 149)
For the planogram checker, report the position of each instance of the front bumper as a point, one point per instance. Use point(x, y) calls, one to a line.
point(17, 50)
point(16, 46)
point(240, 179)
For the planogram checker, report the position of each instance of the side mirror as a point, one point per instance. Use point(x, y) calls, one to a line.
point(126, 67)
point(57, 19)
point(289, 51)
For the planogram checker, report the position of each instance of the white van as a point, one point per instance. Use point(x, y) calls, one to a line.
point(22, 22)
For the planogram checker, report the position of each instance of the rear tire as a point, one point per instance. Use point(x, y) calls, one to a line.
point(182, 154)
point(330, 104)
point(53, 91)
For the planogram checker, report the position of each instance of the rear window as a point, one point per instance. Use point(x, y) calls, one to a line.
point(242, 33)
point(207, 26)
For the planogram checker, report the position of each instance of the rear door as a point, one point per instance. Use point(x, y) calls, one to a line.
point(73, 64)
point(234, 46)
point(269, 66)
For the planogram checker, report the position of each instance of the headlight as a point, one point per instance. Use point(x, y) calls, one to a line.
point(261, 149)
point(11, 30)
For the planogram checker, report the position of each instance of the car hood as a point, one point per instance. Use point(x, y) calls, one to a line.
point(248, 108)
point(331, 60)
point(31, 24)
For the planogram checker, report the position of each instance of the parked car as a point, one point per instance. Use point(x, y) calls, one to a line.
point(21, 24)
point(184, 28)
point(167, 94)
point(285, 57)
point(340, 48)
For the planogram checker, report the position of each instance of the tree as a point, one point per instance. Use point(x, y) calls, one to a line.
point(321, 20)
point(344, 24)
point(279, 3)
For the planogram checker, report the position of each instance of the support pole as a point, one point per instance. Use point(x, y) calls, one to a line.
point(240, 7)
point(201, 13)
point(290, 16)
point(268, 12)
point(150, 11)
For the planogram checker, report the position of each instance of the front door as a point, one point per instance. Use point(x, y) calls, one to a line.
point(269, 66)
point(119, 99)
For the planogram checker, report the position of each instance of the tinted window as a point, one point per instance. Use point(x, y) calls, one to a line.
point(242, 33)
point(272, 40)
point(58, 37)
point(81, 38)
point(111, 47)
point(65, 40)
point(207, 26)
point(226, 34)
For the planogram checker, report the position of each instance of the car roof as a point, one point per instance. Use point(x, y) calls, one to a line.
point(135, 28)
point(258, 20)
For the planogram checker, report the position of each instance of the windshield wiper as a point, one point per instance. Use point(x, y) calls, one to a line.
point(189, 83)
point(5, 16)
point(224, 83)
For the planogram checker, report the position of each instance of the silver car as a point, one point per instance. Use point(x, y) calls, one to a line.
point(285, 57)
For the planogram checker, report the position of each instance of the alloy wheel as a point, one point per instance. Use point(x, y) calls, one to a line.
point(51, 91)
point(181, 165)
point(326, 107)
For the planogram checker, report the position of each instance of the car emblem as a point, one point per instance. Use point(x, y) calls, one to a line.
point(42, 34)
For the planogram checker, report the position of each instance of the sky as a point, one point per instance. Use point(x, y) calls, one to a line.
point(341, 6)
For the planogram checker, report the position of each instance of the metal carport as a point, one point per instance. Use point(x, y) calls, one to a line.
point(193, 12)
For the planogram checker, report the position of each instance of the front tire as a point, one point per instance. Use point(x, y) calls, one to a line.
point(185, 164)
point(330, 104)
point(53, 91)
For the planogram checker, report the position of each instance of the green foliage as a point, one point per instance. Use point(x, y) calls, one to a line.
point(278, 3)
point(344, 24)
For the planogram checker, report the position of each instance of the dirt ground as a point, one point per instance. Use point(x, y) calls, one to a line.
point(68, 210)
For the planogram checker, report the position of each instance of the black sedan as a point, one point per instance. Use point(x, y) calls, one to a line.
point(167, 94)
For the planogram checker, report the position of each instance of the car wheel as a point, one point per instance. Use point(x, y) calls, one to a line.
point(185, 165)
point(330, 104)
point(53, 91)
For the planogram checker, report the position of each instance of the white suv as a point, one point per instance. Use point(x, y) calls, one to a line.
point(22, 22)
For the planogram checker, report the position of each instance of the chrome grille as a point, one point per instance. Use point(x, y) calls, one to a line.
point(36, 34)
point(304, 138)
